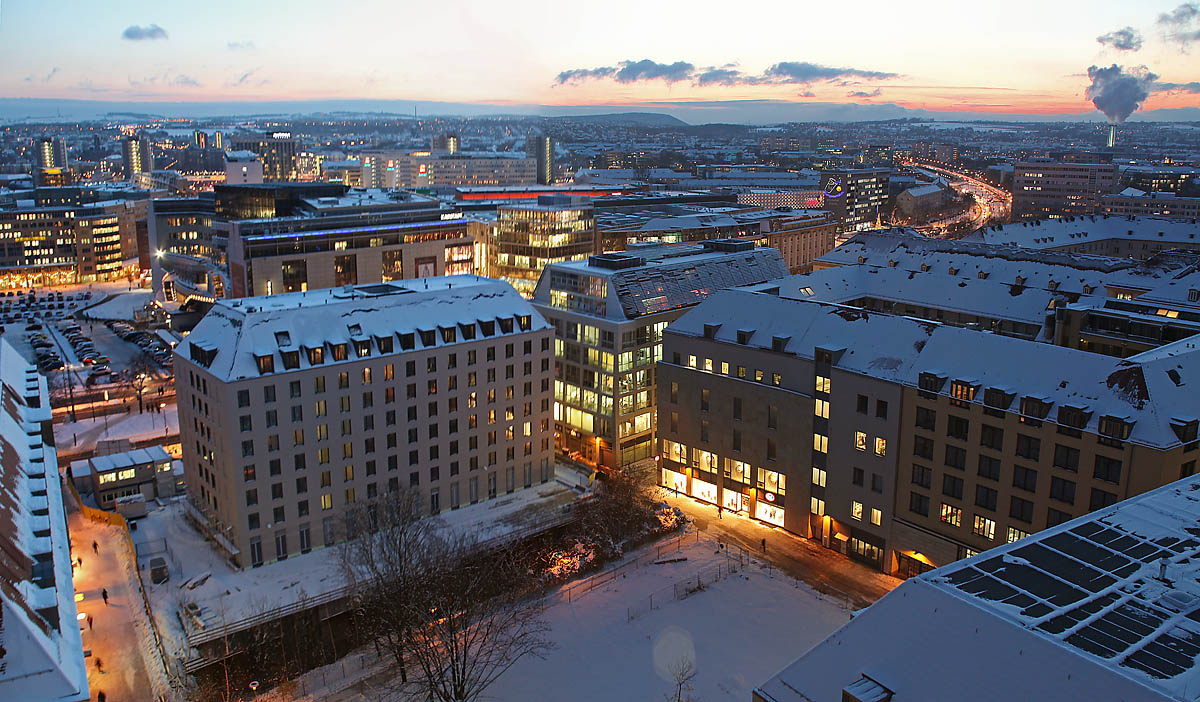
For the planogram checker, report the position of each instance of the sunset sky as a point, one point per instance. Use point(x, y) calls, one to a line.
point(1019, 56)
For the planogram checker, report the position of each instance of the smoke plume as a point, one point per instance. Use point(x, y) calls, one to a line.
point(1117, 93)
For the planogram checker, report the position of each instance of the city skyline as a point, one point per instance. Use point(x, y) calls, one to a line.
point(761, 65)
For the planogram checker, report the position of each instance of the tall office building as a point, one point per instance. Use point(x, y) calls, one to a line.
point(278, 152)
point(295, 406)
point(41, 643)
point(199, 139)
point(856, 196)
point(609, 313)
point(137, 155)
point(445, 142)
point(1063, 185)
point(528, 237)
point(52, 152)
point(542, 149)
point(218, 140)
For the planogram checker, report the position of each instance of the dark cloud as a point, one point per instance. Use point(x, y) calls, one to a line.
point(1118, 93)
point(150, 31)
point(240, 45)
point(1125, 39)
point(864, 93)
point(805, 72)
point(1182, 24)
point(782, 73)
point(1193, 87)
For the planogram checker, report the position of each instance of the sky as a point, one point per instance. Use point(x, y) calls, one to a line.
point(1019, 56)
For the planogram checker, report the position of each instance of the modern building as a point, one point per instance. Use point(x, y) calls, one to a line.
point(295, 406)
point(41, 645)
point(425, 169)
point(1183, 181)
point(137, 155)
point(199, 139)
point(445, 142)
point(52, 152)
point(145, 471)
point(278, 152)
point(856, 196)
point(243, 168)
point(65, 244)
point(1100, 607)
point(609, 312)
point(907, 443)
point(1062, 185)
point(541, 149)
point(528, 237)
point(1138, 203)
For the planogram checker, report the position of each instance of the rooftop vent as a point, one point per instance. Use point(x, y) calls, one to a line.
point(728, 245)
point(615, 261)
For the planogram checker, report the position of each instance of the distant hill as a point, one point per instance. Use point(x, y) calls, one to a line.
point(633, 119)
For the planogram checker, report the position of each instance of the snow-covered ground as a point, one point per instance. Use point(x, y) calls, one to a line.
point(135, 426)
point(738, 631)
point(120, 307)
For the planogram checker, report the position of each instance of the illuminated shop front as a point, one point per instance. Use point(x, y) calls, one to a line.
point(769, 512)
point(703, 490)
point(675, 481)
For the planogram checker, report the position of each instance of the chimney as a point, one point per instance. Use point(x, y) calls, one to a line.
point(1112, 135)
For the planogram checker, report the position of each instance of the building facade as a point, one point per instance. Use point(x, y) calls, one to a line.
point(609, 313)
point(856, 196)
point(1062, 185)
point(278, 153)
point(541, 150)
point(146, 472)
point(423, 169)
point(295, 406)
point(526, 238)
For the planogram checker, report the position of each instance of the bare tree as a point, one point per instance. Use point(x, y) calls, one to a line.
point(137, 375)
point(476, 615)
point(682, 672)
point(457, 615)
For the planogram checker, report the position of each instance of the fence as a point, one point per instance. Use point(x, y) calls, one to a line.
point(679, 590)
point(581, 588)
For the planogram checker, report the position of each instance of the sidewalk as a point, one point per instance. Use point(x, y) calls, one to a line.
point(825, 570)
point(114, 639)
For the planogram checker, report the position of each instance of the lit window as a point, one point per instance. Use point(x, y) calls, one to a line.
point(326, 501)
point(856, 510)
point(708, 365)
point(126, 474)
point(1015, 534)
point(951, 515)
point(985, 527)
point(821, 408)
point(860, 440)
point(876, 516)
point(108, 477)
point(724, 368)
point(691, 361)
point(817, 506)
point(758, 375)
point(819, 476)
point(820, 443)
point(822, 384)
point(880, 446)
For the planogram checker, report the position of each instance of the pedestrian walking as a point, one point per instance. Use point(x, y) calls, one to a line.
point(89, 620)
point(104, 591)
point(95, 547)
point(80, 560)
point(720, 509)
point(99, 665)
point(764, 545)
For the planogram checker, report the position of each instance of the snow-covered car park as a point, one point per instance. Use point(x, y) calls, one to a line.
point(149, 342)
point(33, 314)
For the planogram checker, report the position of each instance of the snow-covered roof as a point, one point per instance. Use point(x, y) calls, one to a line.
point(1148, 390)
point(1106, 606)
point(1058, 270)
point(234, 334)
point(1073, 231)
point(41, 651)
point(136, 457)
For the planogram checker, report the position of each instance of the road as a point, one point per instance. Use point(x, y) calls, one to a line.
point(114, 638)
point(992, 204)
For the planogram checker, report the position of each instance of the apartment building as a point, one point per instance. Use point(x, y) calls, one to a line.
point(608, 314)
point(1102, 235)
point(293, 407)
point(929, 442)
point(1062, 185)
point(41, 645)
point(855, 196)
point(1100, 607)
point(65, 244)
point(423, 169)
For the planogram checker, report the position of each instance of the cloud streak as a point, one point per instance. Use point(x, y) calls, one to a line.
point(149, 32)
point(1181, 25)
point(241, 46)
point(864, 93)
point(782, 73)
point(1124, 39)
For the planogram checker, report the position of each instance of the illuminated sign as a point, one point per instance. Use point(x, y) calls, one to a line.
point(281, 135)
point(769, 496)
point(833, 188)
point(451, 215)
point(422, 169)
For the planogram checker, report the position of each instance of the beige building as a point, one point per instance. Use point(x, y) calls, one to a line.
point(423, 169)
point(294, 406)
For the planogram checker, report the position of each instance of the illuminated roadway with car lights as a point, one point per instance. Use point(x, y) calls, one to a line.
point(992, 204)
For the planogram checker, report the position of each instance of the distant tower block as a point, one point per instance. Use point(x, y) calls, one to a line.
point(1112, 135)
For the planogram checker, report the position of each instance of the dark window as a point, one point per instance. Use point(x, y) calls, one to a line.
point(985, 497)
point(881, 409)
point(991, 437)
point(922, 476)
point(923, 447)
point(1025, 478)
point(1187, 469)
point(876, 483)
point(952, 486)
point(1054, 517)
point(918, 503)
point(989, 468)
point(926, 418)
point(1021, 510)
point(1066, 457)
point(957, 427)
point(1108, 469)
point(1100, 499)
point(1062, 490)
point(862, 404)
point(956, 457)
point(1028, 447)
point(857, 476)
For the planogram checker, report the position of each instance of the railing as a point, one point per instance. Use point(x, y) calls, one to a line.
point(682, 589)
point(581, 588)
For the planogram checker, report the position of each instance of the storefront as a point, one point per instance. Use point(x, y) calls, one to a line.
point(674, 481)
point(734, 501)
point(703, 490)
point(910, 565)
point(866, 548)
point(769, 512)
